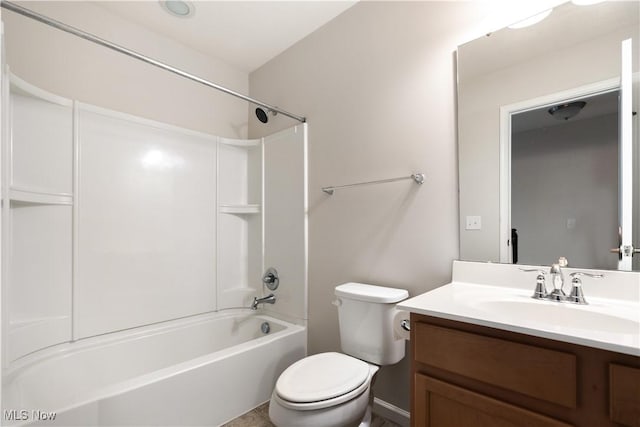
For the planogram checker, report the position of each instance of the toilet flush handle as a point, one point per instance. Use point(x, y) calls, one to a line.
point(337, 302)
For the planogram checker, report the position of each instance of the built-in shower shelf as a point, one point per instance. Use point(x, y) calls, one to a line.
point(240, 209)
point(22, 195)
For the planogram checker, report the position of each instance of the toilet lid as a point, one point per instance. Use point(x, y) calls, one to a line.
point(320, 377)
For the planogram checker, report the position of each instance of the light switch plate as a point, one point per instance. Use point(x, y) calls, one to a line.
point(474, 222)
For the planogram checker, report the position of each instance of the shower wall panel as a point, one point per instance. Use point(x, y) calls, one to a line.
point(40, 298)
point(37, 220)
point(239, 221)
point(146, 223)
point(111, 221)
point(285, 213)
point(42, 148)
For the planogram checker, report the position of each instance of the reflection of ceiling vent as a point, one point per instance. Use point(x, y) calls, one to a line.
point(566, 111)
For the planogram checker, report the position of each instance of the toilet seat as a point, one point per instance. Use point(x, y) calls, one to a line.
point(322, 380)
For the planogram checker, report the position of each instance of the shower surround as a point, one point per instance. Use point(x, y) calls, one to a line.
point(113, 224)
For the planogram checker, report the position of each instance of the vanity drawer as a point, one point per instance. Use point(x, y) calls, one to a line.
point(624, 395)
point(440, 404)
point(533, 371)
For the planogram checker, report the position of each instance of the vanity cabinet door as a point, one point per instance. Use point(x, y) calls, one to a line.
point(440, 404)
point(624, 398)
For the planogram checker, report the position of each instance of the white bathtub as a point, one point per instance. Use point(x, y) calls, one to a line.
point(204, 370)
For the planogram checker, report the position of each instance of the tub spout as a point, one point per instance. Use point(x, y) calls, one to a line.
point(269, 299)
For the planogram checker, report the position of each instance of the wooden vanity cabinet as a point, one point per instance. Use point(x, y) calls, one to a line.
point(469, 375)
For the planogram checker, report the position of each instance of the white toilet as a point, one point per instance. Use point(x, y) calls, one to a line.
point(333, 389)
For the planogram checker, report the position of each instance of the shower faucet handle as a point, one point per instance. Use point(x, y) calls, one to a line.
point(271, 279)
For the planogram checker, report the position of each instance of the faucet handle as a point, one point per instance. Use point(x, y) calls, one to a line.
point(584, 273)
point(532, 270)
point(541, 288)
point(563, 262)
point(576, 295)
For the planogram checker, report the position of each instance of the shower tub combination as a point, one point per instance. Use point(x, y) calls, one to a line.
point(210, 225)
point(202, 370)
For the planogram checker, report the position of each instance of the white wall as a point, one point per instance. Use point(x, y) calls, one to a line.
point(78, 69)
point(377, 85)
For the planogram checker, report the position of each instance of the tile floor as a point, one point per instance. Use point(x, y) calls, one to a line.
point(259, 417)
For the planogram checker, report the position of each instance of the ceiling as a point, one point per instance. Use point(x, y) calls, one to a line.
point(245, 34)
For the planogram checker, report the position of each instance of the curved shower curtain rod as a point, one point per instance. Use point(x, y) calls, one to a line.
point(102, 42)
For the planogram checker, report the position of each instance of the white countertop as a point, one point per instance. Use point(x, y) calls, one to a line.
point(606, 323)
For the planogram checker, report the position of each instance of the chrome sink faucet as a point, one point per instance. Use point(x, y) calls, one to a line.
point(269, 299)
point(557, 279)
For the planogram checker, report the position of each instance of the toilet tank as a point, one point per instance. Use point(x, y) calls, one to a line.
point(366, 314)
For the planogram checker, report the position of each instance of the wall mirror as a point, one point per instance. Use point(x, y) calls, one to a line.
point(535, 186)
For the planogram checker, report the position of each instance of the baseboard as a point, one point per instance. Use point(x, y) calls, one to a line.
point(391, 412)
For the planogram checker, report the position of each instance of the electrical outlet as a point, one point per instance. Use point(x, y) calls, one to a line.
point(474, 222)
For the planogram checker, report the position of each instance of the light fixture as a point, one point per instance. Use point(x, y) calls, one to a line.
point(567, 110)
point(586, 2)
point(531, 21)
point(179, 8)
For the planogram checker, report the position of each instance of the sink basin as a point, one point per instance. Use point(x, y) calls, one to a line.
point(604, 323)
point(561, 315)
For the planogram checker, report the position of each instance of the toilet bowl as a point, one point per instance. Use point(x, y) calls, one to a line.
point(323, 390)
point(334, 389)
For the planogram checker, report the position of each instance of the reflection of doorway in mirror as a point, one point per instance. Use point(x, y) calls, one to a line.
point(564, 182)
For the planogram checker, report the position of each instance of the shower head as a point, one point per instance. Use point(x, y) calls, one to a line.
point(263, 115)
